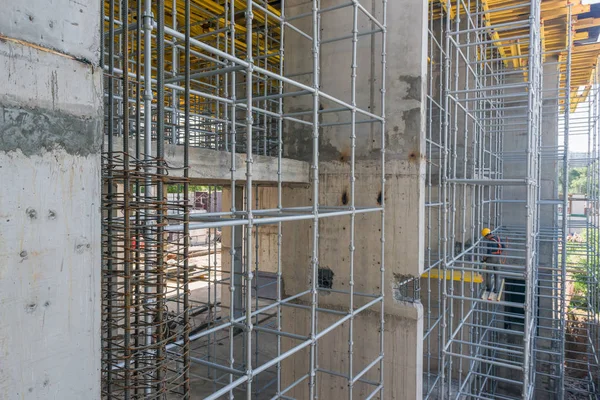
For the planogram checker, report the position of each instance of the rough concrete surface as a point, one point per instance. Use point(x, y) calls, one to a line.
point(37, 79)
point(68, 26)
point(50, 243)
point(35, 132)
point(49, 276)
point(402, 364)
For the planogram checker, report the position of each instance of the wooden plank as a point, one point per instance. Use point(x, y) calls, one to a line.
point(455, 276)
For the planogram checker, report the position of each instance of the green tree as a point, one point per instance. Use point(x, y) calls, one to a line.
point(577, 181)
point(192, 188)
point(584, 277)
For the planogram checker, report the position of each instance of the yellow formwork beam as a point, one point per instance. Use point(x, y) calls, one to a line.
point(258, 15)
point(543, 37)
point(516, 51)
point(554, 34)
point(211, 10)
point(576, 98)
point(585, 23)
point(218, 10)
point(494, 35)
point(454, 275)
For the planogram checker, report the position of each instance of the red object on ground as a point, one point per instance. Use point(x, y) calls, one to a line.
point(134, 244)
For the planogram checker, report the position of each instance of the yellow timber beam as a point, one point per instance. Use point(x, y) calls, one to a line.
point(494, 35)
point(585, 23)
point(454, 276)
point(218, 10)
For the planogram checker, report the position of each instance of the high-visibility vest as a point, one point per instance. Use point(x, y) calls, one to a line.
point(495, 239)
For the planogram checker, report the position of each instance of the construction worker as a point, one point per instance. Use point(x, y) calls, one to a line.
point(494, 251)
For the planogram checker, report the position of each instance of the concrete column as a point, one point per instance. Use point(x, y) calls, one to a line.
point(226, 251)
point(548, 279)
point(267, 234)
point(50, 243)
point(405, 174)
point(267, 247)
point(514, 214)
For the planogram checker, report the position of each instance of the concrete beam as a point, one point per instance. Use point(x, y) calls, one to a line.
point(213, 166)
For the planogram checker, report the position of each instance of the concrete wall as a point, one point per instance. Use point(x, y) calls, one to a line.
point(405, 167)
point(50, 144)
point(403, 353)
point(431, 295)
point(461, 209)
point(267, 240)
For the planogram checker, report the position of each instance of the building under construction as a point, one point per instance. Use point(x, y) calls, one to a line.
point(284, 199)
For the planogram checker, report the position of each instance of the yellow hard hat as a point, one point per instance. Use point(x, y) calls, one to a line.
point(485, 232)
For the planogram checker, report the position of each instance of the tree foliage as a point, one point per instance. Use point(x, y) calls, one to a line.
point(193, 188)
point(578, 179)
point(584, 277)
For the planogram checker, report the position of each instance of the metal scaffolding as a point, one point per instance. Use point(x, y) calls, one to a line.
point(580, 315)
point(185, 308)
point(192, 281)
point(499, 89)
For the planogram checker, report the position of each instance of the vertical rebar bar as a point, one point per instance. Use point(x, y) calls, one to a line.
point(148, 183)
point(353, 73)
point(315, 198)
point(186, 200)
point(383, 219)
point(248, 195)
point(564, 222)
